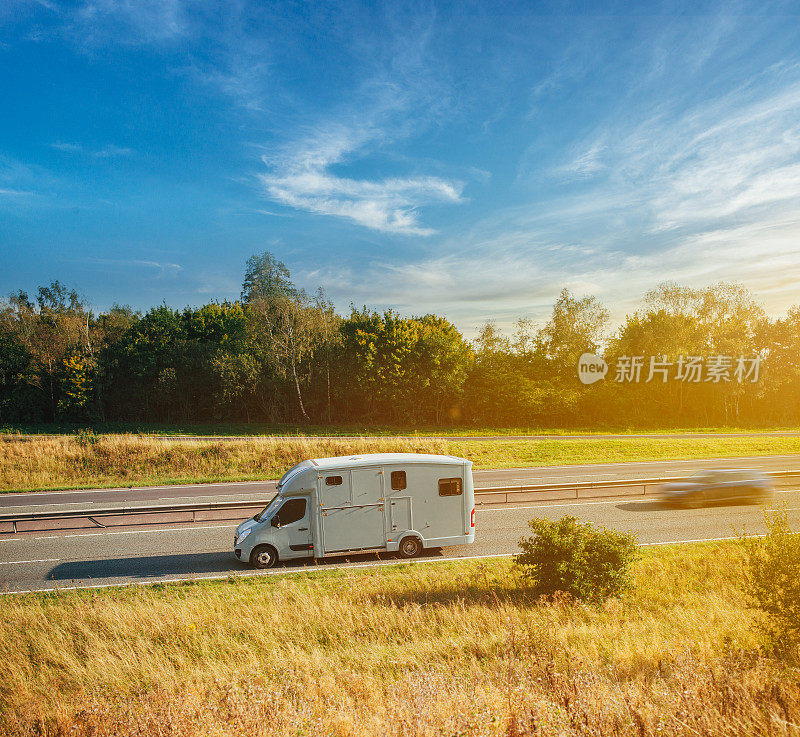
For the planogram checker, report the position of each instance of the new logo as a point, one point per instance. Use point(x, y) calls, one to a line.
point(591, 368)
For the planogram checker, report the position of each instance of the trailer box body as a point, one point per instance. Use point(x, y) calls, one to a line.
point(373, 502)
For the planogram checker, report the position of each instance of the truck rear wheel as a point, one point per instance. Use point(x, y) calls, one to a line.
point(410, 547)
point(263, 556)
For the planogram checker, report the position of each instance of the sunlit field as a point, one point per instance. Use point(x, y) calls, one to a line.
point(453, 648)
point(118, 460)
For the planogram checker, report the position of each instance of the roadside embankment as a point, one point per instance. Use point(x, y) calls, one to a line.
point(63, 462)
point(451, 648)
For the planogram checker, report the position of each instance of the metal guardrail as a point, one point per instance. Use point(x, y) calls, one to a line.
point(194, 511)
point(584, 489)
point(116, 516)
point(149, 509)
point(569, 490)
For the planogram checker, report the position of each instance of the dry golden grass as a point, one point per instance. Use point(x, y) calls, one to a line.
point(428, 649)
point(64, 462)
point(58, 462)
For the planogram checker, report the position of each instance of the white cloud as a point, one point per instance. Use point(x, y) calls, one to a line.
point(514, 276)
point(698, 195)
point(131, 21)
point(706, 194)
point(162, 268)
point(244, 80)
point(237, 64)
point(23, 183)
point(720, 162)
point(301, 178)
point(108, 151)
point(67, 147)
point(502, 278)
point(585, 164)
point(111, 151)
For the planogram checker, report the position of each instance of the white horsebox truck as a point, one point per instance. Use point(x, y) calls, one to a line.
point(393, 502)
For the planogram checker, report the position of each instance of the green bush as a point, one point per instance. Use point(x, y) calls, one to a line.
point(587, 562)
point(86, 436)
point(773, 580)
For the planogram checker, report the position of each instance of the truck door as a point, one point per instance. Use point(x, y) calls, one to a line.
point(398, 501)
point(449, 503)
point(352, 517)
point(292, 522)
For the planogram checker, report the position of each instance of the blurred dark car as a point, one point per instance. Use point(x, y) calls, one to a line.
point(728, 484)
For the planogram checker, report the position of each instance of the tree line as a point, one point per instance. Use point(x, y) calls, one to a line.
point(282, 355)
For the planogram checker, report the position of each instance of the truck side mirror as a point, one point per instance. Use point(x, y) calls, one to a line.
point(275, 522)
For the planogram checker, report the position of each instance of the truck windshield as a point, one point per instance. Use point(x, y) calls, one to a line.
point(270, 508)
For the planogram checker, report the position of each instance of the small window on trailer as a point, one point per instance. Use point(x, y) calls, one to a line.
point(450, 487)
point(333, 480)
point(398, 480)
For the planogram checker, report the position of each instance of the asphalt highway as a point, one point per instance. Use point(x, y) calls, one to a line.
point(262, 490)
point(158, 553)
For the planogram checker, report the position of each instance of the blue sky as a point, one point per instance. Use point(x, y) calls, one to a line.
point(465, 159)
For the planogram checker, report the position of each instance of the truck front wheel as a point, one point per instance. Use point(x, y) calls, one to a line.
point(263, 556)
point(410, 547)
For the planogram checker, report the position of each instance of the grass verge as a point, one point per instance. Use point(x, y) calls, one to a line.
point(448, 649)
point(65, 462)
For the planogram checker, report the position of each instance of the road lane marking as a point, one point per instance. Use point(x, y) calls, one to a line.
point(16, 562)
point(258, 500)
point(28, 506)
point(322, 568)
point(117, 532)
point(251, 574)
point(699, 540)
point(572, 504)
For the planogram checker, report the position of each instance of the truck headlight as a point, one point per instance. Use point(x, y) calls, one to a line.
point(241, 537)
